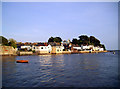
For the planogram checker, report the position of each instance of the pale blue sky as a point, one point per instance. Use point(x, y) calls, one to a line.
point(32, 21)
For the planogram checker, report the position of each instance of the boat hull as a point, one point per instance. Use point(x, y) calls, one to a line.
point(22, 61)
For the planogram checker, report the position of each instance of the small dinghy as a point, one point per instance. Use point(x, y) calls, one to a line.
point(22, 61)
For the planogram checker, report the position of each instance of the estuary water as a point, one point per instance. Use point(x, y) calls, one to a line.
point(65, 70)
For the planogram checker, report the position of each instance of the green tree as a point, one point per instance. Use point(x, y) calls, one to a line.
point(80, 42)
point(51, 39)
point(12, 43)
point(57, 39)
point(84, 39)
point(97, 42)
point(74, 41)
point(3, 41)
point(103, 46)
point(94, 41)
point(54, 39)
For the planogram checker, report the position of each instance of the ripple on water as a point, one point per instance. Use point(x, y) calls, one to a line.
point(75, 70)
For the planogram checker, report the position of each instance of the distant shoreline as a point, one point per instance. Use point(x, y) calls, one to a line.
point(81, 52)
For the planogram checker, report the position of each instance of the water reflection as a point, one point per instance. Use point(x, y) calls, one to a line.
point(77, 70)
point(45, 60)
point(8, 64)
point(48, 66)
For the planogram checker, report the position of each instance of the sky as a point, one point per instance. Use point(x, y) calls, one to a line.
point(38, 21)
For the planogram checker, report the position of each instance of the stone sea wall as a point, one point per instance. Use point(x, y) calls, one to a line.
point(7, 50)
point(66, 52)
point(24, 53)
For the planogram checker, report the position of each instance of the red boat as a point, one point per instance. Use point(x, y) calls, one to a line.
point(22, 61)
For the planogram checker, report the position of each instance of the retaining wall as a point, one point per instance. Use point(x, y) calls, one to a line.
point(7, 50)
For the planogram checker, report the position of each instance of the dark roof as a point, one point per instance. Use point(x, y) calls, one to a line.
point(75, 45)
point(42, 44)
point(54, 44)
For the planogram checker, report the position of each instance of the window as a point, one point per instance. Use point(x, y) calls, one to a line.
point(41, 47)
point(58, 50)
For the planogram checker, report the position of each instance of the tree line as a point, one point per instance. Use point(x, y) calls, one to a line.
point(85, 40)
point(55, 39)
point(82, 40)
point(6, 42)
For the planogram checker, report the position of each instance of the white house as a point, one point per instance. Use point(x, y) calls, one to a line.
point(98, 48)
point(28, 47)
point(45, 49)
point(42, 48)
point(84, 47)
point(90, 46)
point(59, 49)
point(78, 48)
point(101, 49)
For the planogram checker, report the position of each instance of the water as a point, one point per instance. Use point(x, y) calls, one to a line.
point(65, 70)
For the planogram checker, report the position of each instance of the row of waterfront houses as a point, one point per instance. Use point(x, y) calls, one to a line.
point(53, 47)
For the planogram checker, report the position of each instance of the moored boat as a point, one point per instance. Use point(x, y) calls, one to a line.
point(22, 61)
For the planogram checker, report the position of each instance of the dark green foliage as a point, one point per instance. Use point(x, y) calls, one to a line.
point(103, 46)
point(97, 42)
point(74, 41)
point(55, 39)
point(30, 50)
point(3, 41)
point(94, 41)
point(51, 39)
point(12, 43)
point(85, 40)
point(25, 49)
point(33, 51)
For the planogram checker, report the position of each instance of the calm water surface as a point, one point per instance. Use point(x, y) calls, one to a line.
point(68, 70)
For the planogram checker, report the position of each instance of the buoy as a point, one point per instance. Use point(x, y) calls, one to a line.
point(22, 61)
point(113, 52)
